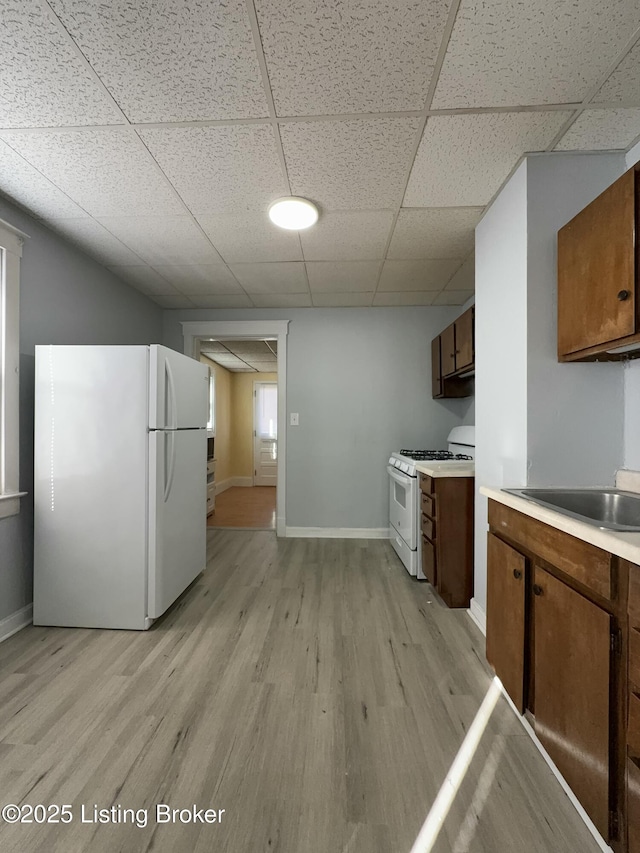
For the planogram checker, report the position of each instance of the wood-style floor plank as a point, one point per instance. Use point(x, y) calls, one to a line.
point(308, 687)
point(245, 507)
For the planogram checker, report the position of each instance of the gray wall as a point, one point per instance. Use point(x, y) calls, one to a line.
point(360, 378)
point(65, 297)
point(564, 422)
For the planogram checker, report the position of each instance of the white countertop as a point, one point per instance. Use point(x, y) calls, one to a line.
point(625, 545)
point(447, 469)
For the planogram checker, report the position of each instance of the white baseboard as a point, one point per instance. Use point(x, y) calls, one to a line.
point(602, 844)
point(16, 622)
point(476, 612)
point(337, 532)
point(223, 485)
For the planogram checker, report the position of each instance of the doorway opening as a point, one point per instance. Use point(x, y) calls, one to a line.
point(248, 367)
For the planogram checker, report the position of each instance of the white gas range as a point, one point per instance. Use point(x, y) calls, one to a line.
point(404, 489)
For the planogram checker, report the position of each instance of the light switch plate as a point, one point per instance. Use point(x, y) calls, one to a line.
point(294, 419)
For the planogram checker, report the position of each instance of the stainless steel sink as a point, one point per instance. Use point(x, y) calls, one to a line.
point(611, 509)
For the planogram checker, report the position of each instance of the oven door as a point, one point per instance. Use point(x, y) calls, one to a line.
point(403, 505)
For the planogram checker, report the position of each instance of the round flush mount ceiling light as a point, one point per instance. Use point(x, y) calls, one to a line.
point(293, 213)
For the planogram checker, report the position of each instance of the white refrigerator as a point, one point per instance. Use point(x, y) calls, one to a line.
point(120, 483)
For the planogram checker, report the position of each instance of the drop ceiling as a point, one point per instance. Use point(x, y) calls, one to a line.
point(154, 134)
point(242, 356)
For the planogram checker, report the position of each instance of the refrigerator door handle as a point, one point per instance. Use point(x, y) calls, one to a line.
point(169, 463)
point(171, 411)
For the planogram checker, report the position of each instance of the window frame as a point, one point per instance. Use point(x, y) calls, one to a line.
point(11, 243)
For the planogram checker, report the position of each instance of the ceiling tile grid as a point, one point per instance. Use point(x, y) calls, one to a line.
point(363, 56)
point(464, 159)
point(518, 52)
point(350, 165)
point(176, 61)
point(233, 105)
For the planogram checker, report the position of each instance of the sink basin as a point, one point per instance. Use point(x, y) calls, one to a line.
point(611, 509)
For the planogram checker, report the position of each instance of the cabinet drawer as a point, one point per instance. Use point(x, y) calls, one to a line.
point(634, 596)
point(428, 527)
point(429, 566)
point(633, 729)
point(585, 563)
point(428, 505)
point(427, 484)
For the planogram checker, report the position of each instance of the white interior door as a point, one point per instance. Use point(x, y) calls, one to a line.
point(265, 433)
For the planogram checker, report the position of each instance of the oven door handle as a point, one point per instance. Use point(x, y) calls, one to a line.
point(399, 477)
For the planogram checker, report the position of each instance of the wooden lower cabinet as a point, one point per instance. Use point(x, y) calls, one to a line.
point(557, 638)
point(447, 536)
point(506, 629)
point(572, 680)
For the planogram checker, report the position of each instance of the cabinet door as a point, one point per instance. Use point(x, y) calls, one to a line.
point(505, 616)
point(596, 271)
point(436, 374)
point(572, 670)
point(448, 350)
point(464, 340)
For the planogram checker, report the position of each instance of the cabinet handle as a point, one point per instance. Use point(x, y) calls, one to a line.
point(623, 294)
point(517, 574)
point(537, 590)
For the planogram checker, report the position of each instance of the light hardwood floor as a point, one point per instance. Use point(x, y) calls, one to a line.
point(245, 507)
point(309, 687)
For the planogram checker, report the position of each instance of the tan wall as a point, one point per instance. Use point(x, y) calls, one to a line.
point(242, 420)
point(223, 419)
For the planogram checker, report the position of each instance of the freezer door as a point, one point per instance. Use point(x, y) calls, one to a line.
point(178, 390)
point(177, 514)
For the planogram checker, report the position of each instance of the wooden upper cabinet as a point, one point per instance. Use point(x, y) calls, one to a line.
point(597, 282)
point(448, 350)
point(465, 350)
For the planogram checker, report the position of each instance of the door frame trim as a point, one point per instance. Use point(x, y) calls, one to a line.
point(248, 330)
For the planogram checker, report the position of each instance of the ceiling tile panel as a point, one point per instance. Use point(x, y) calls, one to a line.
point(517, 52)
point(251, 348)
point(163, 240)
point(599, 130)
point(452, 297)
point(363, 56)
point(271, 278)
point(342, 300)
point(202, 278)
point(409, 298)
point(95, 240)
point(177, 61)
point(342, 276)
point(348, 236)
point(439, 232)
point(106, 172)
point(231, 169)
point(264, 366)
point(465, 277)
point(25, 185)
point(237, 300)
point(623, 86)
point(417, 275)
point(350, 165)
point(53, 86)
point(172, 302)
point(144, 279)
point(463, 159)
point(281, 300)
point(250, 238)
